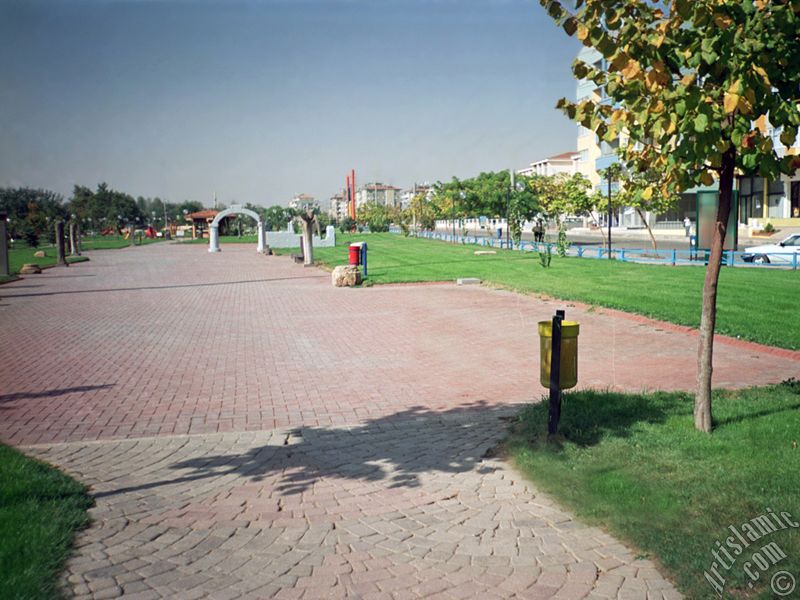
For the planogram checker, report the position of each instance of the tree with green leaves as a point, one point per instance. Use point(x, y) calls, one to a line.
point(31, 212)
point(631, 192)
point(523, 206)
point(377, 216)
point(692, 84)
point(276, 217)
point(421, 213)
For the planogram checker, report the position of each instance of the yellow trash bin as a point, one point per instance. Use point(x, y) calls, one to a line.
point(568, 377)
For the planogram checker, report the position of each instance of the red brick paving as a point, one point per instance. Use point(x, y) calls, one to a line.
point(169, 339)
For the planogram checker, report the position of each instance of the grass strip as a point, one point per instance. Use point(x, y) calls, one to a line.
point(635, 465)
point(754, 304)
point(41, 508)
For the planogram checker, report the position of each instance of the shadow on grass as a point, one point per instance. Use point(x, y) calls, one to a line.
point(589, 416)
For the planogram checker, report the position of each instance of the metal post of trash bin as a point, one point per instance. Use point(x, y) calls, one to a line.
point(364, 257)
point(555, 375)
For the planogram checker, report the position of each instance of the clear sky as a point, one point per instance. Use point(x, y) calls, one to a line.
point(259, 100)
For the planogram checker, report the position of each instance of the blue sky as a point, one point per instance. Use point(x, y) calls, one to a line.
point(259, 100)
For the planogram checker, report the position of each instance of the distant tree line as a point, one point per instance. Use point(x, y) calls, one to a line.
point(32, 213)
point(489, 195)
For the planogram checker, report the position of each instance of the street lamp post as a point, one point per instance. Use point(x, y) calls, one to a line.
point(608, 176)
point(508, 208)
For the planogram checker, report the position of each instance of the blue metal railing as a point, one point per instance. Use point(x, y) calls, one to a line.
point(786, 260)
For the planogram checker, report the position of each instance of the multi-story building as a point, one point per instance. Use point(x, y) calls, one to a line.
point(566, 162)
point(406, 196)
point(302, 201)
point(778, 202)
point(760, 200)
point(338, 207)
point(379, 193)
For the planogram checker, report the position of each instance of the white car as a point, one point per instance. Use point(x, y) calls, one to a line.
point(781, 253)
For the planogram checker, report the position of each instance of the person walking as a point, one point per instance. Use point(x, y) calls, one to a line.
point(687, 225)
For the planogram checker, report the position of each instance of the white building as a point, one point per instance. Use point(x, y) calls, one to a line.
point(338, 207)
point(566, 162)
point(406, 196)
point(302, 201)
point(379, 193)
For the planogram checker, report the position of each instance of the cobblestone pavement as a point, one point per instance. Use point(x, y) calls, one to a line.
point(249, 431)
point(398, 507)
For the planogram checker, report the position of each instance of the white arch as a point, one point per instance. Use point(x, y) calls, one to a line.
point(213, 245)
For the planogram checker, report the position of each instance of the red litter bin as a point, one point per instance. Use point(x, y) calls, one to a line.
point(355, 254)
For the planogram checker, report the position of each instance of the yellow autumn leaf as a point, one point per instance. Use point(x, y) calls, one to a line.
point(730, 102)
point(583, 32)
point(657, 40)
point(763, 73)
point(744, 105)
point(647, 193)
point(688, 79)
point(631, 70)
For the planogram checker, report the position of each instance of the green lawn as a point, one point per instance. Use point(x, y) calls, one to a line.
point(40, 511)
point(635, 465)
point(754, 304)
point(223, 239)
point(101, 242)
point(19, 256)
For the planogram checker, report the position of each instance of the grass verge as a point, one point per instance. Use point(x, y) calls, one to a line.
point(634, 464)
point(750, 304)
point(40, 511)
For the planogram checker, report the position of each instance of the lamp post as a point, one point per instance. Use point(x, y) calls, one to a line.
point(508, 208)
point(608, 176)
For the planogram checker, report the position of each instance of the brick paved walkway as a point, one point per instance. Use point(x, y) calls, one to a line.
point(249, 430)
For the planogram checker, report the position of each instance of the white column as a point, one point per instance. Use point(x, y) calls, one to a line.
point(260, 237)
point(213, 245)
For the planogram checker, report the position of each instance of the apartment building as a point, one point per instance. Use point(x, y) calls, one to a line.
point(338, 207)
point(406, 196)
point(379, 193)
point(302, 201)
point(566, 162)
point(760, 200)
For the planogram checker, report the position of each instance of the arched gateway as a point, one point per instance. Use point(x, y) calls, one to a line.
point(213, 245)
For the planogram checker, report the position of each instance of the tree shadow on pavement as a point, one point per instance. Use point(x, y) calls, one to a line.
point(399, 449)
point(53, 393)
point(396, 449)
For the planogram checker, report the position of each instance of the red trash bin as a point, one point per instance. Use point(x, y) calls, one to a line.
point(355, 254)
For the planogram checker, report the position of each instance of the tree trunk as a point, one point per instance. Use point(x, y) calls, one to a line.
point(60, 250)
point(708, 317)
point(646, 224)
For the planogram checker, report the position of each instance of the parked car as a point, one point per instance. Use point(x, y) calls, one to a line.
point(774, 253)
